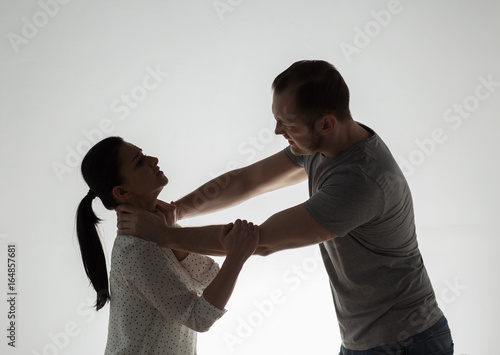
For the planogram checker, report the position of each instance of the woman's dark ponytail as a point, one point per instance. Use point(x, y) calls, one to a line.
point(101, 171)
point(93, 257)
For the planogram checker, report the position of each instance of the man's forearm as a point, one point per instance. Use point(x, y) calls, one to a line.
point(224, 191)
point(288, 229)
point(239, 185)
point(200, 240)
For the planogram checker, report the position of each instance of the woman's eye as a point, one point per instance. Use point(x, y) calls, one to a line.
point(141, 160)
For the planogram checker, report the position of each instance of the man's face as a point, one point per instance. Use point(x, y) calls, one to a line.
point(302, 140)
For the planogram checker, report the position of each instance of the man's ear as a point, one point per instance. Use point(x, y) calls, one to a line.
point(121, 193)
point(326, 124)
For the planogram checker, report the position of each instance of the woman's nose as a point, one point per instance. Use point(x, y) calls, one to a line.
point(154, 161)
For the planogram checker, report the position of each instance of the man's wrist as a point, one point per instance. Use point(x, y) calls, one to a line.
point(162, 238)
point(181, 213)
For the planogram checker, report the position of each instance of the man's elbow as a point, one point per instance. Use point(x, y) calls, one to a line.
point(264, 251)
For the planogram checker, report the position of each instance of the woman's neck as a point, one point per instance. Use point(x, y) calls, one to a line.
point(146, 203)
point(149, 206)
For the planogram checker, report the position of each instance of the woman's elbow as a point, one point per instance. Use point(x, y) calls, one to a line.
point(200, 327)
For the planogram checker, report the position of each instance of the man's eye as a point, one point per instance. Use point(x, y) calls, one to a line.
point(284, 125)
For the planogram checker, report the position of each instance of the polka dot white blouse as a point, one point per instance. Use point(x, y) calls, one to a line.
point(156, 301)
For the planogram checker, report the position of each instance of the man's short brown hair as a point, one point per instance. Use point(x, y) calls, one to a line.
point(317, 88)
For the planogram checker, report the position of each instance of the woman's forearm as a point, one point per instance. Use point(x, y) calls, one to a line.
point(239, 240)
point(179, 254)
point(220, 289)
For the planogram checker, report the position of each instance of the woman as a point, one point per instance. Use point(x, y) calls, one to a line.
point(159, 298)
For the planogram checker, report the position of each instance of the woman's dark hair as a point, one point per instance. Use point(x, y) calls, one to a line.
point(101, 171)
point(318, 89)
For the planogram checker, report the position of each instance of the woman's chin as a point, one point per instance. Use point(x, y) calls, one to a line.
point(163, 177)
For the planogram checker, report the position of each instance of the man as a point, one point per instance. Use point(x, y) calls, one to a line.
point(360, 213)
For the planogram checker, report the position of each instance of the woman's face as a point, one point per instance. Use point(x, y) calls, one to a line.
point(141, 174)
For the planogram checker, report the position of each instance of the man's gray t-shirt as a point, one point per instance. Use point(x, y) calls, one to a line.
point(381, 290)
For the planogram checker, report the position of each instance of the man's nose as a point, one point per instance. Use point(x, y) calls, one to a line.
point(279, 129)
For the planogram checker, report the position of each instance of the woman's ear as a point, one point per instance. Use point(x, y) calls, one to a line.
point(120, 193)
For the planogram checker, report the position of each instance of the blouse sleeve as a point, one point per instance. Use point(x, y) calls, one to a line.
point(200, 268)
point(153, 277)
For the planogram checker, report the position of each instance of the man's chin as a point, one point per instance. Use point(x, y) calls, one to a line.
point(296, 151)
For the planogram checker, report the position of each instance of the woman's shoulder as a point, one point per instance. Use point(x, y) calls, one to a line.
point(133, 252)
point(126, 244)
point(126, 239)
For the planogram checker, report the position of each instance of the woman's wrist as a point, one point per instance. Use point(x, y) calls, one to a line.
point(235, 261)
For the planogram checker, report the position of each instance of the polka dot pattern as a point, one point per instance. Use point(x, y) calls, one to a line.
point(157, 304)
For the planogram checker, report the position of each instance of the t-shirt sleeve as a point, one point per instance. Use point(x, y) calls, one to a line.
point(296, 159)
point(153, 277)
point(345, 201)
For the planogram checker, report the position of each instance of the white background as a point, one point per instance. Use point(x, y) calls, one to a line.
point(416, 71)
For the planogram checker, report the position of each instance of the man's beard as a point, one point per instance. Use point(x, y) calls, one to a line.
point(312, 146)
